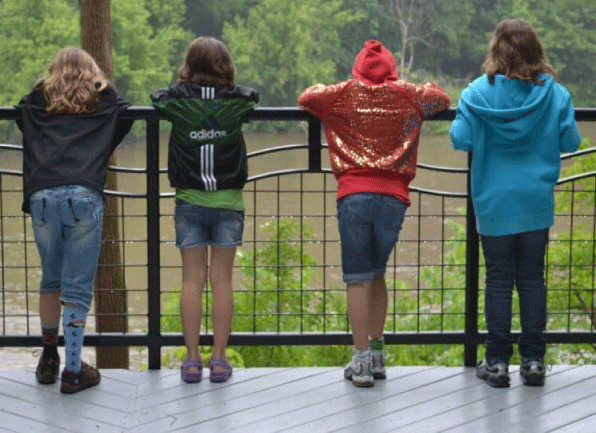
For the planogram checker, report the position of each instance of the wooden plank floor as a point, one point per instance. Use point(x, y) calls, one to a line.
point(310, 400)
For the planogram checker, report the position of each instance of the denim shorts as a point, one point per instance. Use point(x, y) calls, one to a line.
point(67, 223)
point(202, 226)
point(369, 226)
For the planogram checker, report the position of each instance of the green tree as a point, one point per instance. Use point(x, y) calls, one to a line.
point(207, 17)
point(567, 29)
point(148, 44)
point(571, 273)
point(284, 46)
point(31, 32)
point(376, 23)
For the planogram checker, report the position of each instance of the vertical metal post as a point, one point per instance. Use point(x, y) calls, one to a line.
point(314, 145)
point(153, 253)
point(472, 273)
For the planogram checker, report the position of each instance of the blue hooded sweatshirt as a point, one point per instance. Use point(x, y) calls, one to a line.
point(516, 132)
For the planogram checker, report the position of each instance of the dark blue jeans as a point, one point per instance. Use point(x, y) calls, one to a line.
point(515, 259)
point(369, 226)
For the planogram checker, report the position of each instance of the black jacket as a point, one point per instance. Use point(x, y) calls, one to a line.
point(69, 149)
point(207, 150)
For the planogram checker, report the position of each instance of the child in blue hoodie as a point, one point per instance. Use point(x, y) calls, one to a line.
point(516, 120)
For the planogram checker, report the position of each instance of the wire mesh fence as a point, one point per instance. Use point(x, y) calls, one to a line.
point(288, 281)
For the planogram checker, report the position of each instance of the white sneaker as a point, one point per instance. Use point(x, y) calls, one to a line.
point(358, 370)
point(377, 364)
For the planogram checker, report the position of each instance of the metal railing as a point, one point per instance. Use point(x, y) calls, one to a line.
point(289, 272)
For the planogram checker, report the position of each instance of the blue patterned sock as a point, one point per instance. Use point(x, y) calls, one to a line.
point(73, 320)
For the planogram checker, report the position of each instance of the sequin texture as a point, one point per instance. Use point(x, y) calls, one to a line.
point(374, 128)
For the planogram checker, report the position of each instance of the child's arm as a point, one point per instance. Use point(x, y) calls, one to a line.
point(316, 99)
point(19, 108)
point(431, 99)
point(569, 135)
point(159, 98)
point(122, 125)
point(461, 128)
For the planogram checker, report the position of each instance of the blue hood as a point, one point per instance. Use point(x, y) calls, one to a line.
point(510, 107)
point(516, 132)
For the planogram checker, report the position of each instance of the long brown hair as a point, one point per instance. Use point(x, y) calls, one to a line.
point(516, 52)
point(208, 63)
point(73, 84)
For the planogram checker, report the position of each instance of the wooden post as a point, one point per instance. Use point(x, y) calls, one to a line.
point(110, 290)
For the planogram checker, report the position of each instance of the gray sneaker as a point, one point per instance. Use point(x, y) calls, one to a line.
point(358, 370)
point(496, 374)
point(532, 372)
point(377, 364)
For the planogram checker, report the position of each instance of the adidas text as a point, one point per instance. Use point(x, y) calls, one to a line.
point(204, 134)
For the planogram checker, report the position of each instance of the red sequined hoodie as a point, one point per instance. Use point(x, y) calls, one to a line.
point(373, 130)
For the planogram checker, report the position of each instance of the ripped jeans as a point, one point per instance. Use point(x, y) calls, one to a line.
point(67, 222)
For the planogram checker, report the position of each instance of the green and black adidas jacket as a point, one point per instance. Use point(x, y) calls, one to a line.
point(207, 150)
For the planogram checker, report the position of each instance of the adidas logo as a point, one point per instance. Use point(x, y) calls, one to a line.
point(205, 134)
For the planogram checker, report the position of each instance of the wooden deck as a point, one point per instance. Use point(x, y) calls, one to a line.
point(311, 400)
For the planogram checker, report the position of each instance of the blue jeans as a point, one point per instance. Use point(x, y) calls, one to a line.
point(67, 222)
point(202, 226)
point(518, 259)
point(369, 226)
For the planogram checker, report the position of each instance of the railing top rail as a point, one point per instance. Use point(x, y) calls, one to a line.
point(287, 113)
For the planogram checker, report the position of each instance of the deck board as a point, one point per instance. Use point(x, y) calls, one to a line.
point(290, 400)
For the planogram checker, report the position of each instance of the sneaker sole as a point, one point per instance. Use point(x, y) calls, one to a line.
point(533, 380)
point(46, 378)
point(379, 375)
point(500, 382)
point(67, 389)
point(363, 384)
point(358, 383)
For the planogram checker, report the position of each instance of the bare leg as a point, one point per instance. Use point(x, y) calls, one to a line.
point(377, 309)
point(50, 309)
point(194, 277)
point(220, 276)
point(358, 312)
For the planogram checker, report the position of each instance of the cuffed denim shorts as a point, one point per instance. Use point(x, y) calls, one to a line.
point(199, 226)
point(67, 223)
point(369, 226)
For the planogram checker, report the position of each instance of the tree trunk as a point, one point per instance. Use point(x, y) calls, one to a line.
point(110, 290)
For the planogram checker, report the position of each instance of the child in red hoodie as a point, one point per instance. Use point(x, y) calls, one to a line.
point(372, 123)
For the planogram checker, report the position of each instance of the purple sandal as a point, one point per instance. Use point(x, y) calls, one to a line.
point(188, 376)
point(221, 375)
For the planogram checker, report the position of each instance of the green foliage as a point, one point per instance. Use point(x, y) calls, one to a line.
point(567, 31)
point(571, 288)
point(148, 42)
point(280, 295)
point(281, 56)
point(277, 279)
point(437, 304)
point(147, 38)
point(171, 323)
point(31, 32)
point(377, 23)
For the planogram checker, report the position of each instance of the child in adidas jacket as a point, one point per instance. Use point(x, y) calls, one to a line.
point(207, 164)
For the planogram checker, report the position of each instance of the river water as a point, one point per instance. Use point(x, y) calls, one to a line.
point(20, 286)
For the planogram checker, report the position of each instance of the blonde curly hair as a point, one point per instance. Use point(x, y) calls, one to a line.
point(73, 84)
